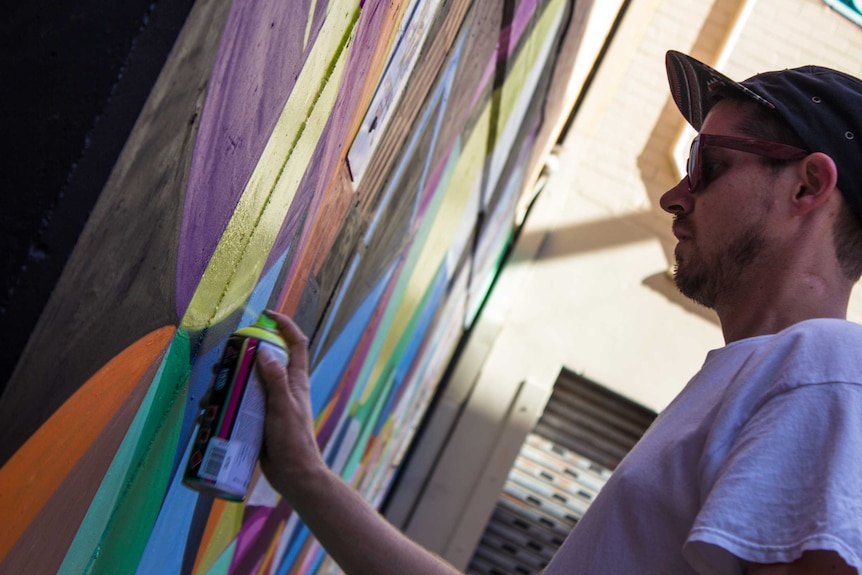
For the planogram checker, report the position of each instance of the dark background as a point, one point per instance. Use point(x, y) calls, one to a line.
point(75, 76)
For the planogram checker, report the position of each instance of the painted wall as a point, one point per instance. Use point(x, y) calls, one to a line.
point(355, 164)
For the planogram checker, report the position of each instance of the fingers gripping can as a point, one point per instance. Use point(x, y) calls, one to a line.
point(228, 441)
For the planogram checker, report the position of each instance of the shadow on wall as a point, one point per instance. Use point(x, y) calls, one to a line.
point(572, 240)
point(663, 284)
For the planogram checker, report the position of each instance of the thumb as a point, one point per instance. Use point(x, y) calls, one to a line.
point(272, 371)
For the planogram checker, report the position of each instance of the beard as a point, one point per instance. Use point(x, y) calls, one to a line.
point(704, 279)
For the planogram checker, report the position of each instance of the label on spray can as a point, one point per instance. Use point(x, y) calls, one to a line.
point(228, 441)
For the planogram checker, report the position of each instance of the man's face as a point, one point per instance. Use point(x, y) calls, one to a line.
point(722, 225)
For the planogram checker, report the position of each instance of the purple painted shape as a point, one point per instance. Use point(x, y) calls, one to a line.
point(204, 223)
point(261, 54)
point(258, 527)
point(510, 36)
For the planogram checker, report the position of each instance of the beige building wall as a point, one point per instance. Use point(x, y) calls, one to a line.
point(588, 286)
point(599, 284)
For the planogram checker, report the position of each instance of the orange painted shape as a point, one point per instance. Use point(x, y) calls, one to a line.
point(37, 469)
point(44, 544)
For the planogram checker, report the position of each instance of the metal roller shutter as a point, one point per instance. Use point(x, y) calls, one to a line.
point(583, 434)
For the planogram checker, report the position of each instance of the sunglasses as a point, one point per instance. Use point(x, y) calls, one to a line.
point(772, 150)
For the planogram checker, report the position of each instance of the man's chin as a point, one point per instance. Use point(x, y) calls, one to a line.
point(692, 287)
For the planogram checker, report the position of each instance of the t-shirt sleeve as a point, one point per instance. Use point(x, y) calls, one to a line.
point(792, 482)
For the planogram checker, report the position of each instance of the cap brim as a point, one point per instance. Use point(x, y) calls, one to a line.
point(694, 86)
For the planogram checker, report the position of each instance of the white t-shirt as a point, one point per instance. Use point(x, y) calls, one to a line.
point(759, 458)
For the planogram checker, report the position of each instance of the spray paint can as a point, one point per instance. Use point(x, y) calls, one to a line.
point(229, 437)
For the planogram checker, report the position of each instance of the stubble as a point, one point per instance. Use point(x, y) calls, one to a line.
point(704, 279)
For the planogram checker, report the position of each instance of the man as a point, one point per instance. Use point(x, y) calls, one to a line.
point(756, 467)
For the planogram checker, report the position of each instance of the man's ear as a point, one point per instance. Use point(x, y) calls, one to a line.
point(818, 178)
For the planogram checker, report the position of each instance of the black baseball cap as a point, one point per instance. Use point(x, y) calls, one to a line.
point(823, 106)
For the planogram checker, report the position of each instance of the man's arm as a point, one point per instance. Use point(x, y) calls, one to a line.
point(811, 563)
point(351, 530)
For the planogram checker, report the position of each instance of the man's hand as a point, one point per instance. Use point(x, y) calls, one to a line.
point(352, 531)
point(290, 452)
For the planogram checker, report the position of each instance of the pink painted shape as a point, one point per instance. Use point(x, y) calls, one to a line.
point(513, 33)
point(354, 368)
point(253, 528)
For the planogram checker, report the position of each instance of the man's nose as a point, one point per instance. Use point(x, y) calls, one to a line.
point(677, 200)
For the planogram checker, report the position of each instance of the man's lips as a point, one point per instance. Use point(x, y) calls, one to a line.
point(681, 231)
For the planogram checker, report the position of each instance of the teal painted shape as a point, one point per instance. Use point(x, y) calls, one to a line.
point(367, 415)
point(851, 9)
point(419, 331)
point(131, 523)
point(414, 252)
point(86, 546)
point(166, 547)
point(221, 566)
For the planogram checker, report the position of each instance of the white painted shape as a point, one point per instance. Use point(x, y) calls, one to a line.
point(410, 38)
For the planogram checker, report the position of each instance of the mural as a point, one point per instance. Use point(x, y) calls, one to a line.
point(852, 9)
point(355, 164)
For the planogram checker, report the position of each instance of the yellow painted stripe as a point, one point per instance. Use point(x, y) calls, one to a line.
point(241, 253)
point(266, 563)
point(224, 523)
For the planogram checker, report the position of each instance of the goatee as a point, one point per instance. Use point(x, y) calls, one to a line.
point(704, 279)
